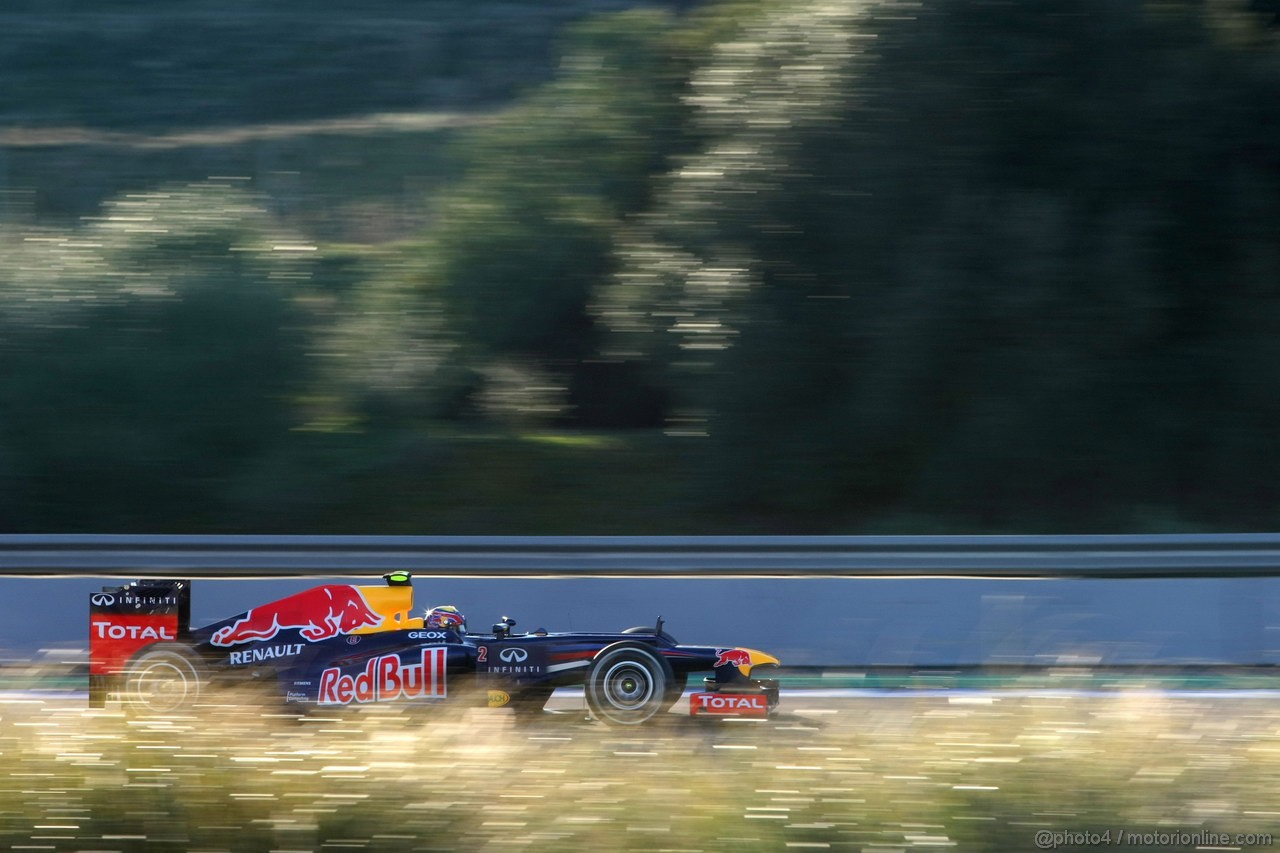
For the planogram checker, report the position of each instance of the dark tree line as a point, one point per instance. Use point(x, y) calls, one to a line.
point(864, 266)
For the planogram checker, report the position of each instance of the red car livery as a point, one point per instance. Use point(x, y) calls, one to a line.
point(319, 613)
point(385, 679)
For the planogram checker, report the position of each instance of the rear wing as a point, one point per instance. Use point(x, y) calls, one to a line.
point(124, 619)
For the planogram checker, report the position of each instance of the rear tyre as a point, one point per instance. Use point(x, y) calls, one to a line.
point(628, 685)
point(162, 678)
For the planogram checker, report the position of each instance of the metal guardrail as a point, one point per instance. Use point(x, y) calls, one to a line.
point(1125, 556)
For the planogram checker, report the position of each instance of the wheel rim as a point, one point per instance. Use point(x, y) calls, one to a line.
point(162, 685)
point(627, 686)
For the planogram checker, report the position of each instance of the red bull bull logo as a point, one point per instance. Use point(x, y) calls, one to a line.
point(732, 657)
point(318, 613)
point(386, 678)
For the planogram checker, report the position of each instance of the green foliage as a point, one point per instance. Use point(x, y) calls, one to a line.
point(196, 63)
point(872, 265)
point(145, 358)
point(988, 262)
point(526, 238)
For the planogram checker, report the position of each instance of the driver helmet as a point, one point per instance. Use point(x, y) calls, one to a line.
point(445, 617)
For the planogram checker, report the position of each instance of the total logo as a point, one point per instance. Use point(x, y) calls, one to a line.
point(386, 678)
point(729, 704)
point(109, 631)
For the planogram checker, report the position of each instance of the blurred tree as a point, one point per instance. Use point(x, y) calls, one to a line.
point(146, 359)
point(996, 261)
point(1010, 265)
point(525, 238)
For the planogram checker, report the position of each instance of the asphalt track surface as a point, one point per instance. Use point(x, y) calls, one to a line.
point(872, 770)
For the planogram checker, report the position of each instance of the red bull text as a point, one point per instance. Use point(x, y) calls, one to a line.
point(385, 679)
point(319, 613)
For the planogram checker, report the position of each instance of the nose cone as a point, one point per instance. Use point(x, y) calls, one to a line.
point(758, 658)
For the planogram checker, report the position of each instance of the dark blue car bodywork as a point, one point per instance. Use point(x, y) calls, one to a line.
point(337, 646)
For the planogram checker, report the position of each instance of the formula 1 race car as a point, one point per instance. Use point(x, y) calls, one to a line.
point(340, 645)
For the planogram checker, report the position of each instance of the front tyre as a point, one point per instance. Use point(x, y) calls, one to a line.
point(162, 678)
point(628, 685)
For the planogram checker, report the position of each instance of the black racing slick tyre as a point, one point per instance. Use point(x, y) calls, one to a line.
point(628, 685)
point(162, 678)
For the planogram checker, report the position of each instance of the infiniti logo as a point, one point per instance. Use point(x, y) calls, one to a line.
point(102, 599)
point(513, 655)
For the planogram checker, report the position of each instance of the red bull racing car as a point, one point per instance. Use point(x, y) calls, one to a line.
point(339, 645)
